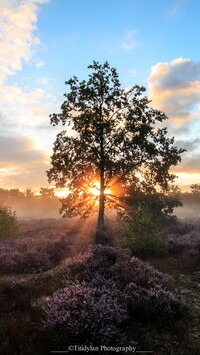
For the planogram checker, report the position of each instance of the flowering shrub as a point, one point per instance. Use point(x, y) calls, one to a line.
point(99, 296)
point(185, 238)
point(103, 289)
point(82, 313)
point(30, 254)
point(102, 265)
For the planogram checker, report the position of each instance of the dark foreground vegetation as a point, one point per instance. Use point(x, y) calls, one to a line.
point(58, 289)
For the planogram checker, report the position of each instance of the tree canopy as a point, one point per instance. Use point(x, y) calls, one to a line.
point(113, 134)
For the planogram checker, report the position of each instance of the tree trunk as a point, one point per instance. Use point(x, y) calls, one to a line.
point(100, 225)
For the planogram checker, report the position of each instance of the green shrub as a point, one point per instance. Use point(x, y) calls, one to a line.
point(9, 227)
point(144, 234)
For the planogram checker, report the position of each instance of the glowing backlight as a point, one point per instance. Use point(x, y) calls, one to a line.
point(95, 190)
point(62, 194)
point(107, 191)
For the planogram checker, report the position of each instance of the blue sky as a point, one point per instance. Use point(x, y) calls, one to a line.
point(44, 42)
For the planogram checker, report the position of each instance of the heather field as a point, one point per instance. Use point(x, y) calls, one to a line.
point(58, 289)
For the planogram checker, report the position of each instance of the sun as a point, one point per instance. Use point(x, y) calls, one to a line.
point(61, 193)
point(95, 189)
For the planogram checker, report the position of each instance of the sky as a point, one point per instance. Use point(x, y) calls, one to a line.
point(43, 43)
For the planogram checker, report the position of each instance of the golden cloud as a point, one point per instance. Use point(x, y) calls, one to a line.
point(21, 163)
point(174, 88)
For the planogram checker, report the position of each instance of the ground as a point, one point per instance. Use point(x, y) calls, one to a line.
point(185, 272)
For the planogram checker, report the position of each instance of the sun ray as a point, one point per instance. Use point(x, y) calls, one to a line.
point(86, 195)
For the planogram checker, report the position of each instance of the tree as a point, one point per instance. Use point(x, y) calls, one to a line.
point(160, 203)
point(194, 195)
point(112, 134)
point(9, 227)
point(47, 193)
point(195, 189)
point(29, 194)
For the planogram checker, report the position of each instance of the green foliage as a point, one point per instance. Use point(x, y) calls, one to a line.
point(144, 234)
point(9, 227)
point(162, 203)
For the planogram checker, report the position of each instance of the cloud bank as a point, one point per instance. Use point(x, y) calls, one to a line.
point(175, 89)
point(22, 109)
point(21, 163)
point(17, 44)
point(17, 40)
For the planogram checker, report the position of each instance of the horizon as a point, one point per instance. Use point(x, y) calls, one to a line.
point(46, 42)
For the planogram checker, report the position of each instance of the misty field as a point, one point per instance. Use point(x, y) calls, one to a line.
point(58, 289)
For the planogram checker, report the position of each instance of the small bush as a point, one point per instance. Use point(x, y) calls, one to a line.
point(9, 227)
point(144, 236)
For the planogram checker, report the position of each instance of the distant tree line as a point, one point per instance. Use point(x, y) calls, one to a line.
point(48, 193)
point(17, 195)
point(192, 196)
point(31, 204)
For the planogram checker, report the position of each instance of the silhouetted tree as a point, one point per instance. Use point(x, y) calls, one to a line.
point(195, 189)
point(161, 203)
point(194, 195)
point(15, 194)
point(47, 192)
point(29, 194)
point(111, 132)
point(4, 195)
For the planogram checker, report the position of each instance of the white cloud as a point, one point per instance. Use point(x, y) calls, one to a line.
point(17, 40)
point(43, 81)
point(40, 64)
point(175, 89)
point(22, 111)
point(132, 71)
point(129, 42)
point(176, 7)
point(29, 109)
